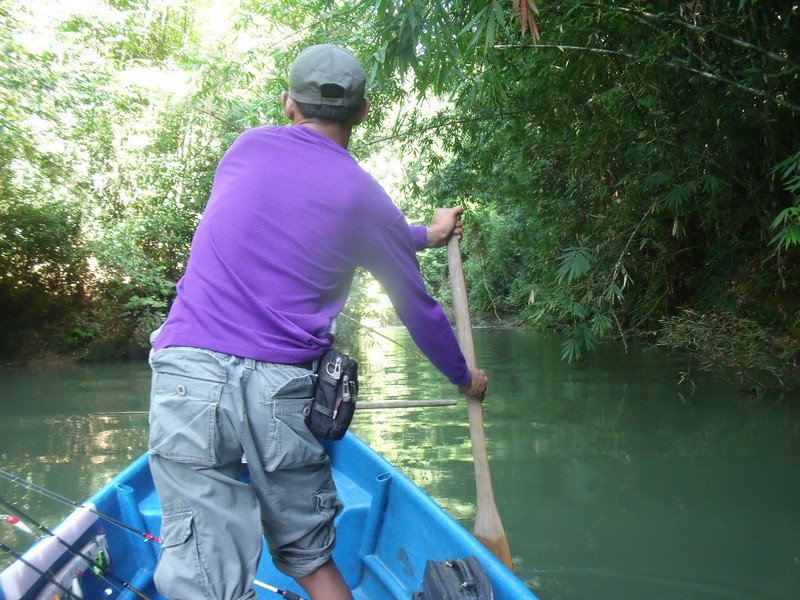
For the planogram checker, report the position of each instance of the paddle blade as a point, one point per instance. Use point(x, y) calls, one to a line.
point(498, 547)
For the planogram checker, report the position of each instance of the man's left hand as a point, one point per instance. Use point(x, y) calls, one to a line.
point(445, 224)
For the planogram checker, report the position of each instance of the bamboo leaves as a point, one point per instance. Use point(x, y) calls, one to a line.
point(590, 305)
point(575, 262)
point(787, 223)
point(639, 144)
point(526, 9)
point(444, 43)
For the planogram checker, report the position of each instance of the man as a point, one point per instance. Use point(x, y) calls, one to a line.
point(290, 217)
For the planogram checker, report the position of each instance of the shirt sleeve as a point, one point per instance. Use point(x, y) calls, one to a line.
point(419, 233)
point(391, 259)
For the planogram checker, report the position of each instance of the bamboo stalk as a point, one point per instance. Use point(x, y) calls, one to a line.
point(379, 404)
point(364, 405)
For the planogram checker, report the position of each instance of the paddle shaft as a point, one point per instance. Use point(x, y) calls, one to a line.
point(488, 527)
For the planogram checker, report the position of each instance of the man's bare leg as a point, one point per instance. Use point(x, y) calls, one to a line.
point(326, 583)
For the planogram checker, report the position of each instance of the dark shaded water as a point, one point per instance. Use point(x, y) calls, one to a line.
point(611, 479)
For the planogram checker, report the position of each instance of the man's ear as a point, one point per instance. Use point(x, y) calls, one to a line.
point(289, 107)
point(362, 112)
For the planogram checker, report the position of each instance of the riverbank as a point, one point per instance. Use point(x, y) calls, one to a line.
point(732, 349)
point(53, 346)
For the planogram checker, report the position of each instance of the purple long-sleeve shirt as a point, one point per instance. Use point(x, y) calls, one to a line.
point(290, 217)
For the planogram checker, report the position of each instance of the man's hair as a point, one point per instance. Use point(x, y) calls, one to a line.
point(343, 115)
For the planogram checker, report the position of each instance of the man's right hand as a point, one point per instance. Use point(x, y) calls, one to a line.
point(476, 388)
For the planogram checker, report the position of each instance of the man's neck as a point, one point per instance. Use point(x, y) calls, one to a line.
point(338, 133)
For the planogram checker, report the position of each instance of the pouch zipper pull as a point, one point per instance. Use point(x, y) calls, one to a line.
point(337, 368)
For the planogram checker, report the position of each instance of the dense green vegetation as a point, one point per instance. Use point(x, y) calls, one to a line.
point(635, 170)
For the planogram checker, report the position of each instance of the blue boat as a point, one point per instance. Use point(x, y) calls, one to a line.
point(387, 533)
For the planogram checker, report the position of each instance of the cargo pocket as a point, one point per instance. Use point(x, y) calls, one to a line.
point(180, 571)
point(328, 508)
point(328, 504)
point(289, 443)
point(183, 408)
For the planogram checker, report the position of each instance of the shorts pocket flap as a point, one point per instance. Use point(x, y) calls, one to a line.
point(176, 528)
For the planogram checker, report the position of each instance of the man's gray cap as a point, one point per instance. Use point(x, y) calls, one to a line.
point(327, 74)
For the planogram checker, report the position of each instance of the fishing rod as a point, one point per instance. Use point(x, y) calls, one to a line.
point(378, 333)
point(285, 593)
point(148, 537)
point(49, 576)
point(64, 500)
point(98, 566)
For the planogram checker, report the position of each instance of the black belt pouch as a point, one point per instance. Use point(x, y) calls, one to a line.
point(335, 396)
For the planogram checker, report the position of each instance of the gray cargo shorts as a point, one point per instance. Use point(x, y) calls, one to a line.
point(208, 410)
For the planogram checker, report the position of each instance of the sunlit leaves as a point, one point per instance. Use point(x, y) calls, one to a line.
point(444, 44)
point(621, 170)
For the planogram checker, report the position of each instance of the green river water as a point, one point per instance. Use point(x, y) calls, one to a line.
point(612, 480)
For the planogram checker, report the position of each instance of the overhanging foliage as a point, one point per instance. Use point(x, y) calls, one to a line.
point(634, 160)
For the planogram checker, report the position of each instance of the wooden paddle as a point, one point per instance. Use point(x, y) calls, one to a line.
point(488, 527)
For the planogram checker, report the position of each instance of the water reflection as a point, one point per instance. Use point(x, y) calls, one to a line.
point(52, 433)
point(430, 445)
point(611, 481)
